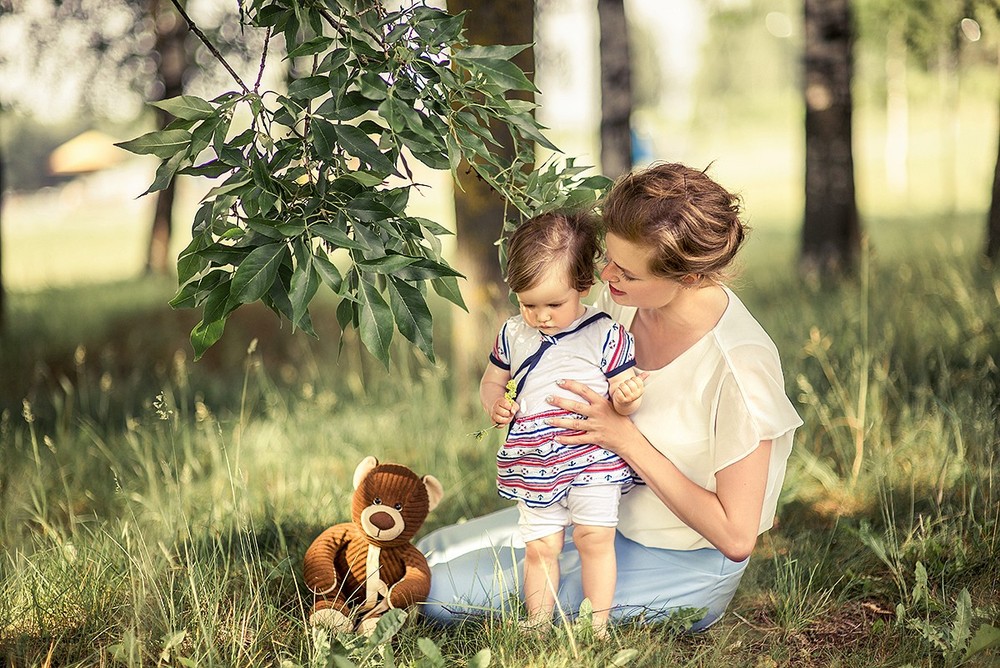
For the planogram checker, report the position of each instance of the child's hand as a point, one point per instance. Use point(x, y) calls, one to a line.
point(628, 391)
point(503, 411)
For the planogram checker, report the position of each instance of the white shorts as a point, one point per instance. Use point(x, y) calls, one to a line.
point(589, 505)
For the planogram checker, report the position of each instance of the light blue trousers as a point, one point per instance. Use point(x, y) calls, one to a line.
point(476, 570)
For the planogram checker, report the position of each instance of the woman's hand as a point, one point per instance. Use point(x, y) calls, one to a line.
point(602, 425)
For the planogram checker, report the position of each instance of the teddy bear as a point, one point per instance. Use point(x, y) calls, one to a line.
point(360, 569)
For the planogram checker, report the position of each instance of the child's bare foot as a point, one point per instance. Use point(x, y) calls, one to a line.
point(536, 626)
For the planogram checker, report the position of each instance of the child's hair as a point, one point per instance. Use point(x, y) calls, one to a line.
point(564, 239)
point(691, 223)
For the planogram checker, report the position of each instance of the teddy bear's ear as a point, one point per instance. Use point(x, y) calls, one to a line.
point(364, 468)
point(435, 492)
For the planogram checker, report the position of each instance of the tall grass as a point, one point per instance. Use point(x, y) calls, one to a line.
point(155, 510)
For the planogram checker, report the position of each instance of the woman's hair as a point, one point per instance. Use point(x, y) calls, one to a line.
point(691, 222)
point(567, 240)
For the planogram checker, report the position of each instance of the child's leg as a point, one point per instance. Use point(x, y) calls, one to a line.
point(543, 531)
point(541, 576)
point(598, 568)
point(594, 510)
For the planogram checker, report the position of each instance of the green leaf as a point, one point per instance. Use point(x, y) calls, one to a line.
point(231, 186)
point(388, 264)
point(357, 143)
point(309, 88)
point(447, 287)
point(162, 144)
point(491, 52)
point(205, 335)
point(502, 74)
point(482, 659)
point(305, 282)
point(311, 47)
point(624, 657)
point(165, 173)
point(187, 107)
point(345, 107)
point(257, 272)
point(376, 323)
point(324, 137)
point(328, 272)
point(388, 625)
point(366, 179)
point(431, 651)
point(367, 209)
point(961, 629)
point(413, 317)
point(530, 129)
point(336, 236)
point(987, 637)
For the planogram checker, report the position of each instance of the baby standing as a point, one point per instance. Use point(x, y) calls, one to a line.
point(550, 268)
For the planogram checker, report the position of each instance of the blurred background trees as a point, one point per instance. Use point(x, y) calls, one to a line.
point(705, 81)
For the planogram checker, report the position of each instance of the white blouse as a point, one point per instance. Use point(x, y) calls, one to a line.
point(707, 409)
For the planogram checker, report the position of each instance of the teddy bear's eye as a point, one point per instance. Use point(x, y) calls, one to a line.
point(377, 501)
point(398, 506)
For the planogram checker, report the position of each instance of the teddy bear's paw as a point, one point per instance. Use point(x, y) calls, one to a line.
point(331, 619)
point(367, 626)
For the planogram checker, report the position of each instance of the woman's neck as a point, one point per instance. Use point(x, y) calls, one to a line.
point(664, 333)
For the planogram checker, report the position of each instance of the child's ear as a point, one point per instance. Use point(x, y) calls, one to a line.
point(584, 293)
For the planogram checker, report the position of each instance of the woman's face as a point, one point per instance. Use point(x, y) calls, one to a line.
point(628, 277)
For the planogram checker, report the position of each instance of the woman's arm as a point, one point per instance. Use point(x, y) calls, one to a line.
point(728, 518)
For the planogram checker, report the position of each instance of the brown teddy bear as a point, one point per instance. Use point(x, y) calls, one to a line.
point(361, 569)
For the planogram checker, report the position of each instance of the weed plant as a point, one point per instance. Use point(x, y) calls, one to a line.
point(155, 511)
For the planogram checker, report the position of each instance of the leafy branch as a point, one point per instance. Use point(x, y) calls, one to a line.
point(313, 191)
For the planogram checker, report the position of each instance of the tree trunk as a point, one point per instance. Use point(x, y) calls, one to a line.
point(831, 229)
point(479, 211)
point(172, 62)
point(616, 89)
point(993, 224)
point(3, 294)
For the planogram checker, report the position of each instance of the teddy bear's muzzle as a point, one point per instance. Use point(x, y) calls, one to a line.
point(381, 523)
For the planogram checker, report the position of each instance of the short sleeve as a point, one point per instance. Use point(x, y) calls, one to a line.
point(618, 351)
point(500, 355)
point(751, 407)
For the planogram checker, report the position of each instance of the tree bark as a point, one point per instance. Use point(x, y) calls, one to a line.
point(172, 63)
point(616, 89)
point(831, 229)
point(3, 294)
point(993, 223)
point(479, 211)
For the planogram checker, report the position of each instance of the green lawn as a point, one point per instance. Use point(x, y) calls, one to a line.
point(155, 509)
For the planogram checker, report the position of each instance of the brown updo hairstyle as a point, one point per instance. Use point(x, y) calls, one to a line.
point(567, 240)
point(691, 222)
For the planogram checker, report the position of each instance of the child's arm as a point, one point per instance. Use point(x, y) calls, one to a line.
point(626, 390)
point(492, 389)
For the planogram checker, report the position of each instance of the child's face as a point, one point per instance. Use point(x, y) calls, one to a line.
point(552, 304)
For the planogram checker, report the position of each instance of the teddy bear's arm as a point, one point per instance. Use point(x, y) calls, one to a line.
point(318, 563)
point(415, 584)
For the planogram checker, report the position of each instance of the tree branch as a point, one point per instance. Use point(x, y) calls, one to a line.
point(211, 47)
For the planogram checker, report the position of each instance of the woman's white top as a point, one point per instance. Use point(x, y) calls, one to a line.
point(707, 409)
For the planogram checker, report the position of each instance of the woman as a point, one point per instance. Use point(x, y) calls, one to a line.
point(710, 440)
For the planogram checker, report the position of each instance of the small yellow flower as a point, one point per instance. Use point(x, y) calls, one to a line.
point(510, 394)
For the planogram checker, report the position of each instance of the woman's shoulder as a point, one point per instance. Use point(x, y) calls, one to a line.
point(739, 330)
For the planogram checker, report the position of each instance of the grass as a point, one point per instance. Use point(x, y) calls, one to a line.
point(155, 510)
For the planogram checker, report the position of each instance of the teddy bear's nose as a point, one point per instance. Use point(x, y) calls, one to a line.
point(382, 520)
